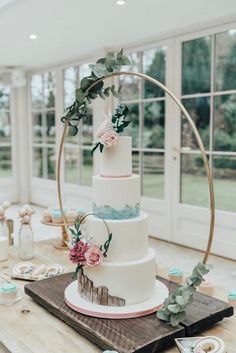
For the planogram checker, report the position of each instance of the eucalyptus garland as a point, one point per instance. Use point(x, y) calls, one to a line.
point(174, 309)
point(85, 93)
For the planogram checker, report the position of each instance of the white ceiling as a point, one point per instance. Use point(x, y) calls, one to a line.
point(70, 29)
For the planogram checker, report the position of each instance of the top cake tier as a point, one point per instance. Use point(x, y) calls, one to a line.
point(116, 161)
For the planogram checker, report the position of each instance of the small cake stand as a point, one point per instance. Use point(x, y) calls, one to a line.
point(61, 244)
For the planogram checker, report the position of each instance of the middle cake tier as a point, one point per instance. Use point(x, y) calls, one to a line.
point(116, 198)
point(129, 236)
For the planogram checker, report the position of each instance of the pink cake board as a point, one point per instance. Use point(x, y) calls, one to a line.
point(78, 304)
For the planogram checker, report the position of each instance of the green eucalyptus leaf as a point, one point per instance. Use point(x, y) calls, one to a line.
point(85, 83)
point(94, 147)
point(124, 60)
point(101, 146)
point(174, 320)
point(181, 300)
point(115, 94)
point(101, 61)
point(162, 315)
point(99, 70)
point(120, 54)
point(73, 130)
point(97, 87)
point(79, 95)
point(101, 95)
point(174, 308)
point(119, 88)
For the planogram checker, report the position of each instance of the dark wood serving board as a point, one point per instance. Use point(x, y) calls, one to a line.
point(141, 335)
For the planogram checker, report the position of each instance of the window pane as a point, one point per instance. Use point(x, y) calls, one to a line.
point(50, 127)
point(225, 123)
point(135, 162)
point(133, 128)
point(51, 163)
point(5, 126)
point(37, 127)
point(49, 89)
point(37, 91)
point(194, 187)
point(154, 125)
point(154, 63)
point(225, 182)
point(226, 61)
point(199, 110)
point(196, 65)
point(71, 165)
point(153, 175)
point(4, 98)
point(87, 171)
point(84, 71)
point(87, 128)
point(5, 161)
point(38, 162)
point(131, 84)
point(69, 86)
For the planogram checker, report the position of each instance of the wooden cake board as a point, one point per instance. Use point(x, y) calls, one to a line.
point(140, 335)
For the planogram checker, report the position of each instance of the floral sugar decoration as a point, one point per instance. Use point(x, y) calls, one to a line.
point(174, 308)
point(83, 251)
point(108, 132)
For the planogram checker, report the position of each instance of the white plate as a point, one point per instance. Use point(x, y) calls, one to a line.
point(75, 302)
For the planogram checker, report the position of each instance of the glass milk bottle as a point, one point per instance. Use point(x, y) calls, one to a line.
point(26, 240)
point(3, 240)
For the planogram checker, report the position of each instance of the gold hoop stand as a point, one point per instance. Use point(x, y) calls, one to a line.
point(196, 134)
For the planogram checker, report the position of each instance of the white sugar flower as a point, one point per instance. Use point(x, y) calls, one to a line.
point(105, 126)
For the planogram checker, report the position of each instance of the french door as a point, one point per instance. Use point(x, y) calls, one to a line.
point(206, 78)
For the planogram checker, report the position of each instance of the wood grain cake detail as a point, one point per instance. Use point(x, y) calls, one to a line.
point(97, 295)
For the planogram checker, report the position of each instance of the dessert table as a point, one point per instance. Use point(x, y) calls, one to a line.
point(26, 327)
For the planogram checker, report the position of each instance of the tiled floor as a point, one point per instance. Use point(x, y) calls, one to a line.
point(224, 272)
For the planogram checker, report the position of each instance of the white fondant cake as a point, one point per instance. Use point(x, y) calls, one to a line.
point(133, 281)
point(129, 236)
point(116, 161)
point(127, 274)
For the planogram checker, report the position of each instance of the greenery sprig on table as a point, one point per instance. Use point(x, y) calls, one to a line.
point(174, 309)
point(85, 93)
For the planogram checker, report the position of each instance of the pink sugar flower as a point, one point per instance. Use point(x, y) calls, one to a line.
point(93, 256)
point(109, 138)
point(77, 253)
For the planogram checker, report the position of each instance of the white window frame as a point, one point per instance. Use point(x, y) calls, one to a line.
point(191, 223)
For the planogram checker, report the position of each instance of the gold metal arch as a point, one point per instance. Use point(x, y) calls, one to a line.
point(196, 134)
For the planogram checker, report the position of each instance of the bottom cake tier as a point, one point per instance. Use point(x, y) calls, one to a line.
point(119, 283)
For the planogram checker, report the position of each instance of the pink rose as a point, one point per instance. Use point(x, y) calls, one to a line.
point(109, 138)
point(93, 256)
point(77, 253)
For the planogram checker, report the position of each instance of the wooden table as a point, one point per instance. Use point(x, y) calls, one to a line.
point(26, 327)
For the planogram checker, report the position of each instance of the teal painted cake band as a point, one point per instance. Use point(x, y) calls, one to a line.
point(232, 295)
point(176, 271)
point(108, 212)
